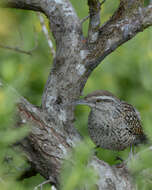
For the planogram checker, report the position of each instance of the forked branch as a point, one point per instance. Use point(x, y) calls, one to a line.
point(123, 25)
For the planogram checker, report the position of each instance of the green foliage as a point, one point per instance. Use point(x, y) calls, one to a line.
point(141, 169)
point(76, 172)
point(28, 77)
point(146, 2)
point(10, 163)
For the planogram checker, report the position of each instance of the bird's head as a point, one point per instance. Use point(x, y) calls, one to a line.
point(96, 98)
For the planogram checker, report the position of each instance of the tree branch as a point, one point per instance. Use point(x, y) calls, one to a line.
point(45, 31)
point(47, 145)
point(21, 4)
point(67, 32)
point(94, 24)
point(51, 146)
point(62, 16)
point(17, 49)
point(123, 25)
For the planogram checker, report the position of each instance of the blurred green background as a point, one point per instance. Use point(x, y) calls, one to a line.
point(127, 73)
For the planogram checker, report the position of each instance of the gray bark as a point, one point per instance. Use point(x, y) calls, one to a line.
point(53, 133)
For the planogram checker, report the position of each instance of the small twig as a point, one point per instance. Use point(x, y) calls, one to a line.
point(50, 180)
point(16, 49)
point(45, 31)
point(4, 84)
point(84, 19)
point(41, 185)
point(102, 2)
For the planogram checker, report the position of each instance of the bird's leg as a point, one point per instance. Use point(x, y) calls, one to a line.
point(131, 153)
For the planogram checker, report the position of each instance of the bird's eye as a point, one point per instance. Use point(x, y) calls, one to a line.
point(104, 100)
point(98, 100)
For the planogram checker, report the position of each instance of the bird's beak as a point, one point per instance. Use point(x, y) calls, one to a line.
point(83, 102)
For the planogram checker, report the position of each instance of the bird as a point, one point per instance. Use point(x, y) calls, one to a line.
point(112, 123)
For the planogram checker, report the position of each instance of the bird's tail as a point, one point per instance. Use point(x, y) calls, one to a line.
point(142, 139)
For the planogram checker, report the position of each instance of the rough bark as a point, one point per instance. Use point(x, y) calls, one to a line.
point(94, 24)
point(53, 133)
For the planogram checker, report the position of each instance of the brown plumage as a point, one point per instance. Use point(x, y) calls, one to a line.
point(112, 123)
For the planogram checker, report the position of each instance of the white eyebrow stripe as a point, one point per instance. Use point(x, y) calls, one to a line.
point(104, 98)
